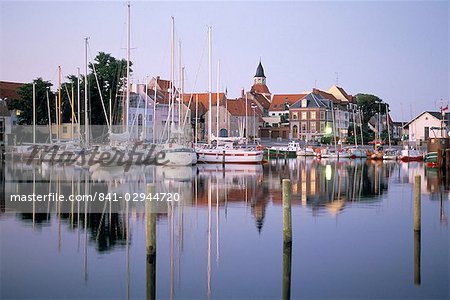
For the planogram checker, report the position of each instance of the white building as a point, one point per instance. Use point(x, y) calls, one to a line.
point(428, 124)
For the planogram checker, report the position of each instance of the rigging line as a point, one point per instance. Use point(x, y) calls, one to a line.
point(70, 98)
point(98, 87)
point(196, 78)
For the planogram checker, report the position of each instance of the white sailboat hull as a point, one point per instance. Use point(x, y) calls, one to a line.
point(230, 156)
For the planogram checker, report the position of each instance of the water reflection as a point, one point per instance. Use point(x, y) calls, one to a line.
point(208, 193)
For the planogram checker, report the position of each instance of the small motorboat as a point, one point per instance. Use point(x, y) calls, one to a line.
point(307, 151)
point(390, 154)
point(409, 154)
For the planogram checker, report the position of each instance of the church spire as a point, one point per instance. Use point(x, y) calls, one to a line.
point(260, 71)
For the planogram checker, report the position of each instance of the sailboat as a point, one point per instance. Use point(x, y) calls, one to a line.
point(226, 150)
point(390, 153)
point(175, 149)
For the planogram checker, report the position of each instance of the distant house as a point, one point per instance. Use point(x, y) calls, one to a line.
point(279, 109)
point(428, 124)
point(310, 117)
point(8, 118)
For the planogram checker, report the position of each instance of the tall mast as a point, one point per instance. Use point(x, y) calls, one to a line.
point(146, 109)
point(354, 128)
point(388, 126)
point(78, 102)
point(246, 117)
point(73, 113)
point(172, 66)
point(56, 117)
point(209, 84)
point(128, 65)
point(217, 100)
point(154, 113)
point(86, 117)
point(361, 128)
point(34, 112)
point(59, 98)
point(49, 117)
point(334, 124)
point(196, 116)
point(180, 83)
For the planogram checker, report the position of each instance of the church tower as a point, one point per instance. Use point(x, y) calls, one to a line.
point(259, 82)
point(260, 78)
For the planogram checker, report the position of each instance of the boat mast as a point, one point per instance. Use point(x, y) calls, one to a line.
point(217, 100)
point(128, 66)
point(361, 128)
point(59, 99)
point(334, 125)
point(78, 102)
point(154, 113)
point(246, 118)
point(196, 116)
point(146, 109)
point(180, 83)
point(387, 121)
point(355, 134)
point(209, 84)
point(172, 75)
point(34, 112)
point(86, 118)
point(49, 118)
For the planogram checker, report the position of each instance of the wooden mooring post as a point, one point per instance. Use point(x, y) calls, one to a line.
point(287, 239)
point(150, 238)
point(417, 229)
point(417, 212)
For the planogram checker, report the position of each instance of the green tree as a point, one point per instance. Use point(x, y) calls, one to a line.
point(111, 75)
point(25, 103)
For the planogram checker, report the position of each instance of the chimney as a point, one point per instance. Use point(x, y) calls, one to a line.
point(242, 93)
point(315, 91)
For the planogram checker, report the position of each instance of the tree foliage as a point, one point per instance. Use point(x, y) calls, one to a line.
point(111, 75)
point(25, 103)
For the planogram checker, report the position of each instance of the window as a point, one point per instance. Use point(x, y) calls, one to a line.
point(322, 127)
point(313, 115)
point(294, 132)
point(322, 115)
point(294, 116)
point(304, 126)
point(274, 106)
point(304, 103)
point(313, 126)
point(64, 129)
point(273, 114)
point(304, 115)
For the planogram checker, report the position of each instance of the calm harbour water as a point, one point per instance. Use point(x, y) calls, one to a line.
point(352, 233)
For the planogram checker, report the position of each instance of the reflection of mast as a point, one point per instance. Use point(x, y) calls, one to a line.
point(150, 218)
point(34, 192)
point(171, 208)
point(86, 191)
point(209, 239)
point(127, 230)
point(217, 224)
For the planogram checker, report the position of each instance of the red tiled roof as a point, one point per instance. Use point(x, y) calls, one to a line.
point(260, 88)
point(203, 98)
point(279, 101)
point(262, 100)
point(236, 107)
point(9, 89)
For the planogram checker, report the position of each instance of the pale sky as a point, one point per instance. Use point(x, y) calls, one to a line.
point(398, 51)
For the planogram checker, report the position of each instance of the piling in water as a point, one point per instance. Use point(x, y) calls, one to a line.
point(287, 224)
point(417, 213)
point(287, 239)
point(150, 237)
point(417, 257)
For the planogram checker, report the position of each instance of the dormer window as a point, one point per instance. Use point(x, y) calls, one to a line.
point(304, 103)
